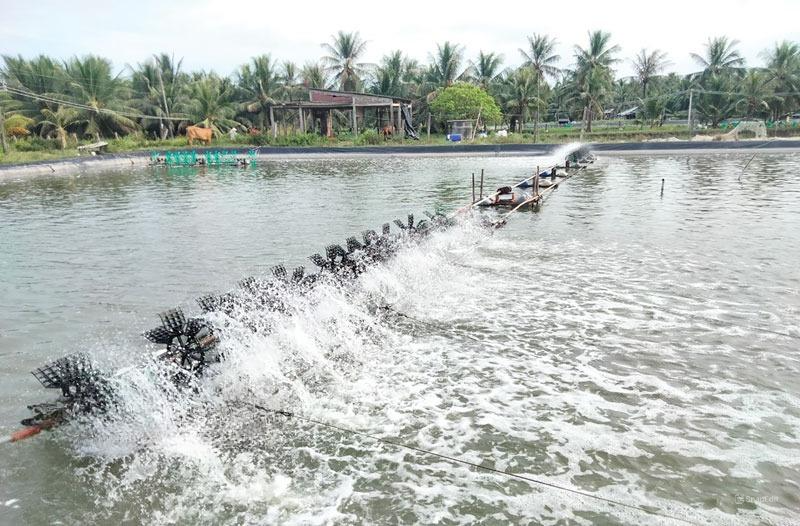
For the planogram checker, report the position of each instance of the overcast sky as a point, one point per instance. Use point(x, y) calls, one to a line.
point(221, 35)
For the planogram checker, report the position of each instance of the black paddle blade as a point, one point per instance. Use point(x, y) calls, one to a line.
point(369, 236)
point(318, 260)
point(64, 371)
point(411, 221)
point(249, 284)
point(400, 224)
point(162, 335)
point(279, 271)
point(334, 251)
point(386, 229)
point(208, 303)
point(173, 319)
point(353, 244)
point(78, 380)
point(297, 275)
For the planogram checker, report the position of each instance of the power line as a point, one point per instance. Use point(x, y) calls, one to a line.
point(98, 82)
point(457, 460)
point(52, 100)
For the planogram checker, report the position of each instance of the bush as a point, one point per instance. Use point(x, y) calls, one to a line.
point(297, 139)
point(368, 137)
point(127, 142)
point(36, 144)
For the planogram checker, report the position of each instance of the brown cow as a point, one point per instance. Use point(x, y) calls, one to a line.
point(201, 134)
point(387, 131)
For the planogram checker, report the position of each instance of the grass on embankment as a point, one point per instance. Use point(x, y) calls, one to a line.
point(37, 149)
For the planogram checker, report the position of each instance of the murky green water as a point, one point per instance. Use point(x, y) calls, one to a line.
point(638, 347)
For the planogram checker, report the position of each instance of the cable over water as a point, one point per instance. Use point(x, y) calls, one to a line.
point(450, 458)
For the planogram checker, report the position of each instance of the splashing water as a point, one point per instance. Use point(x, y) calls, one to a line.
point(614, 346)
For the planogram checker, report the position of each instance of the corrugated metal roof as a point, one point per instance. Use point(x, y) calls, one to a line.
point(359, 93)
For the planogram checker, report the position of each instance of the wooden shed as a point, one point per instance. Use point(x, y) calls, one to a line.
point(316, 114)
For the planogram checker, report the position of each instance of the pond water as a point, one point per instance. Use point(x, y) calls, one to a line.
point(639, 347)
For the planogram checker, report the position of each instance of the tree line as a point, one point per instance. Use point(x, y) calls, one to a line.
point(158, 97)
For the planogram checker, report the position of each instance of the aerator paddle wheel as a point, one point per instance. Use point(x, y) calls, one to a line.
point(83, 390)
point(190, 343)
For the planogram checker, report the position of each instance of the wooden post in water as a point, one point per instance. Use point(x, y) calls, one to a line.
point(473, 187)
point(662, 187)
point(536, 183)
point(480, 193)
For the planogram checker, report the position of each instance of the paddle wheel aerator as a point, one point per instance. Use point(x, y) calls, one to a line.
point(190, 343)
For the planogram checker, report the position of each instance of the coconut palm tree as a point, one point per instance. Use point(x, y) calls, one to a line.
point(41, 76)
point(342, 59)
point(716, 103)
point(542, 58)
point(623, 94)
point(487, 69)
point(720, 56)
point(171, 81)
point(390, 75)
point(648, 65)
point(446, 65)
point(593, 75)
point(261, 86)
point(783, 72)
point(59, 120)
point(211, 101)
point(519, 94)
point(313, 76)
point(91, 83)
point(754, 93)
point(290, 77)
point(158, 84)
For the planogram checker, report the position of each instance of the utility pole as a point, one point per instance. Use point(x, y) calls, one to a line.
point(164, 98)
point(3, 142)
point(691, 128)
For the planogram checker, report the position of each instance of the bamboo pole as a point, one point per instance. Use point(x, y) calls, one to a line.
point(477, 121)
point(473, 187)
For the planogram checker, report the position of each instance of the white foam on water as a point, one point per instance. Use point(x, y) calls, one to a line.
point(566, 389)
